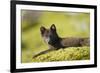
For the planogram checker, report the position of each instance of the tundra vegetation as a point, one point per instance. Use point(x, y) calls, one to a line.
point(68, 24)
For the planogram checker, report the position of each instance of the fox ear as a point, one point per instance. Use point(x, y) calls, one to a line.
point(53, 27)
point(42, 29)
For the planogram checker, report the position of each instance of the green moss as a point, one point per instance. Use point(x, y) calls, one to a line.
point(67, 54)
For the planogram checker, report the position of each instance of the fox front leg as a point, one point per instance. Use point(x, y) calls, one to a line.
point(51, 48)
point(43, 52)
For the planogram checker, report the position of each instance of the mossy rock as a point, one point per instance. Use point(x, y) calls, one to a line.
point(67, 54)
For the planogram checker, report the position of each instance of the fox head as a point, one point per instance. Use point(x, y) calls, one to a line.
point(50, 35)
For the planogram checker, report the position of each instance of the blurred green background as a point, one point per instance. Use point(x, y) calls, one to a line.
point(68, 24)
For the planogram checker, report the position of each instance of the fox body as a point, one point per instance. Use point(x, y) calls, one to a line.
point(55, 42)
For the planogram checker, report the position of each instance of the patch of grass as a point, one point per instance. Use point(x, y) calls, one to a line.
point(67, 54)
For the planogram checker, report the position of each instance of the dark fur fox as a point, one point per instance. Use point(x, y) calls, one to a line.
point(55, 42)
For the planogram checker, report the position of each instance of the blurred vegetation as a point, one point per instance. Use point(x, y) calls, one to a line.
point(68, 24)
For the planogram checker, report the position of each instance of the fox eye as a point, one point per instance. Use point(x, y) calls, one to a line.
point(53, 27)
point(42, 29)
